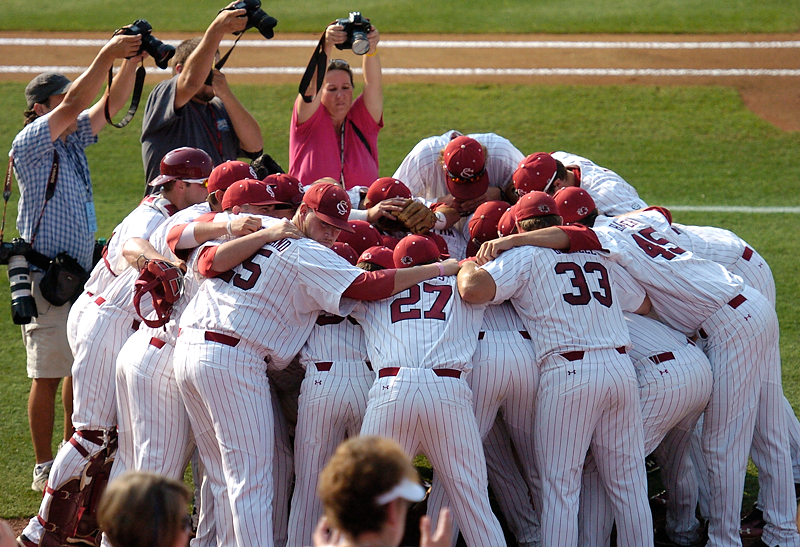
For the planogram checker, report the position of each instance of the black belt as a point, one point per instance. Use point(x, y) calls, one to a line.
point(578, 355)
point(441, 372)
point(747, 254)
point(662, 357)
point(525, 334)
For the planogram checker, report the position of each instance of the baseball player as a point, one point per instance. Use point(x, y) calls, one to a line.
point(674, 379)
point(587, 395)
point(421, 342)
point(740, 330)
point(256, 314)
point(333, 398)
point(425, 173)
point(549, 173)
point(105, 325)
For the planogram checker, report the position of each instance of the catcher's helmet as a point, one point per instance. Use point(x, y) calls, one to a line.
point(164, 283)
point(190, 164)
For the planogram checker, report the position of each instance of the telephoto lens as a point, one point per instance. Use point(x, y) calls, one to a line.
point(23, 306)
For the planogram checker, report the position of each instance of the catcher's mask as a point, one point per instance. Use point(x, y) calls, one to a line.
point(164, 283)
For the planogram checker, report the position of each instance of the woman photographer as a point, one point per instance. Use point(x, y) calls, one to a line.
point(332, 135)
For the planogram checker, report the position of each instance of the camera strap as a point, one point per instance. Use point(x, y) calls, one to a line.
point(49, 191)
point(7, 191)
point(223, 60)
point(135, 98)
point(318, 64)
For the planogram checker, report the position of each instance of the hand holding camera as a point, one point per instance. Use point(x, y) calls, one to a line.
point(350, 33)
point(149, 44)
point(250, 16)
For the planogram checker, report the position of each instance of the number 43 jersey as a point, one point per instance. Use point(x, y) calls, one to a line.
point(685, 289)
point(568, 301)
point(426, 326)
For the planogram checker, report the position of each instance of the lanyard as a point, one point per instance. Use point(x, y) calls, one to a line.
point(216, 137)
point(341, 157)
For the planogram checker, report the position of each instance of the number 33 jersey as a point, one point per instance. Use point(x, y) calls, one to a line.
point(426, 326)
point(567, 300)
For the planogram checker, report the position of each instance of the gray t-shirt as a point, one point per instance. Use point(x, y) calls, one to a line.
point(204, 126)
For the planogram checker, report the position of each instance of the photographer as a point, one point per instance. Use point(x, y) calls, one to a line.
point(332, 135)
point(57, 124)
point(186, 111)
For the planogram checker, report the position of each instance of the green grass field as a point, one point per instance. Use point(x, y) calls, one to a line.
point(413, 16)
point(678, 146)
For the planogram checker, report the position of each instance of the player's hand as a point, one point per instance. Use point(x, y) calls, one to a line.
point(444, 530)
point(324, 535)
point(229, 20)
point(280, 231)
point(123, 46)
point(451, 266)
point(416, 216)
point(242, 226)
point(492, 249)
point(180, 264)
point(386, 208)
point(469, 206)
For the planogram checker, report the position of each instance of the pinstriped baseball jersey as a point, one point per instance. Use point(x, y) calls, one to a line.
point(566, 300)
point(685, 289)
point(334, 338)
point(611, 194)
point(422, 172)
point(426, 326)
point(271, 300)
point(728, 249)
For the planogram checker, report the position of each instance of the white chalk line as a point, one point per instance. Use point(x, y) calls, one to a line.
point(446, 44)
point(733, 209)
point(388, 71)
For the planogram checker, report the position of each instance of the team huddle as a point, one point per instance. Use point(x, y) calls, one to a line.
point(525, 322)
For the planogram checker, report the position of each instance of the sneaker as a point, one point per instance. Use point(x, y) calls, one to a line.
point(40, 474)
point(752, 524)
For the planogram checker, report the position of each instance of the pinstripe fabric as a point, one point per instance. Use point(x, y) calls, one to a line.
point(425, 413)
point(589, 400)
point(673, 392)
point(422, 171)
point(430, 415)
point(611, 194)
point(331, 408)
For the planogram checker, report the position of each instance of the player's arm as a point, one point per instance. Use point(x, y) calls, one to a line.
point(373, 85)
point(560, 238)
point(371, 286)
point(475, 285)
point(214, 260)
point(193, 234)
point(138, 251)
point(194, 72)
point(86, 86)
point(244, 124)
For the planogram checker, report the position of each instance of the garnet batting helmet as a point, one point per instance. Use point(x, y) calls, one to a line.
point(189, 164)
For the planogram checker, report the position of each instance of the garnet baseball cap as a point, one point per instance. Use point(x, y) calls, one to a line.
point(535, 204)
point(363, 236)
point(229, 172)
point(380, 255)
point(345, 251)
point(465, 167)
point(573, 204)
point(385, 188)
point(287, 188)
point(389, 241)
point(330, 203)
point(444, 251)
point(45, 86)
point(248, 192)
point(483, 224)
point(535, 173)
point(414, 250)
point(508, 223)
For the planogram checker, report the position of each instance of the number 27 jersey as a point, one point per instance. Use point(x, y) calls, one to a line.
point(565, 299)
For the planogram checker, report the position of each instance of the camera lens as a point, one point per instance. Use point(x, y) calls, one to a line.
point(360, 43)
point(158, 50)
point(264, 23)
point(23, 306)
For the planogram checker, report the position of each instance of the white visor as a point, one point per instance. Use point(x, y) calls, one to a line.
point(406, 489)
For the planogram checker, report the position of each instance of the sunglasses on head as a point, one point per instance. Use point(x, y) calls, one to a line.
point(462, 180)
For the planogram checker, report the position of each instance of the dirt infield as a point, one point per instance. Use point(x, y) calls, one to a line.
point(774, 98)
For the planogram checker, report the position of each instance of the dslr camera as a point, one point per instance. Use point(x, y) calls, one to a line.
point(357, 28)
point(23, 306)
point(256, 17)
point(158, 50)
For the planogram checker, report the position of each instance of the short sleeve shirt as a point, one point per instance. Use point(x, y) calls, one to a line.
point(315, 150)
point(65, 223)
point(204, 126)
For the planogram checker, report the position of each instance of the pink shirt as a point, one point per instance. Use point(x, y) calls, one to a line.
point(315, 148)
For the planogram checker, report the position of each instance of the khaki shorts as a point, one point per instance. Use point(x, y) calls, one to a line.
point(45, 338)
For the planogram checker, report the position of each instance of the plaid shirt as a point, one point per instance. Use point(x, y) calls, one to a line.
point(65, 225)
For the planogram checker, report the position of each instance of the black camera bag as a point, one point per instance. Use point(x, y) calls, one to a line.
point(63, 281)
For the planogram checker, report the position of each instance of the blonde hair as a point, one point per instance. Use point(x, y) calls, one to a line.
point(140, 509)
